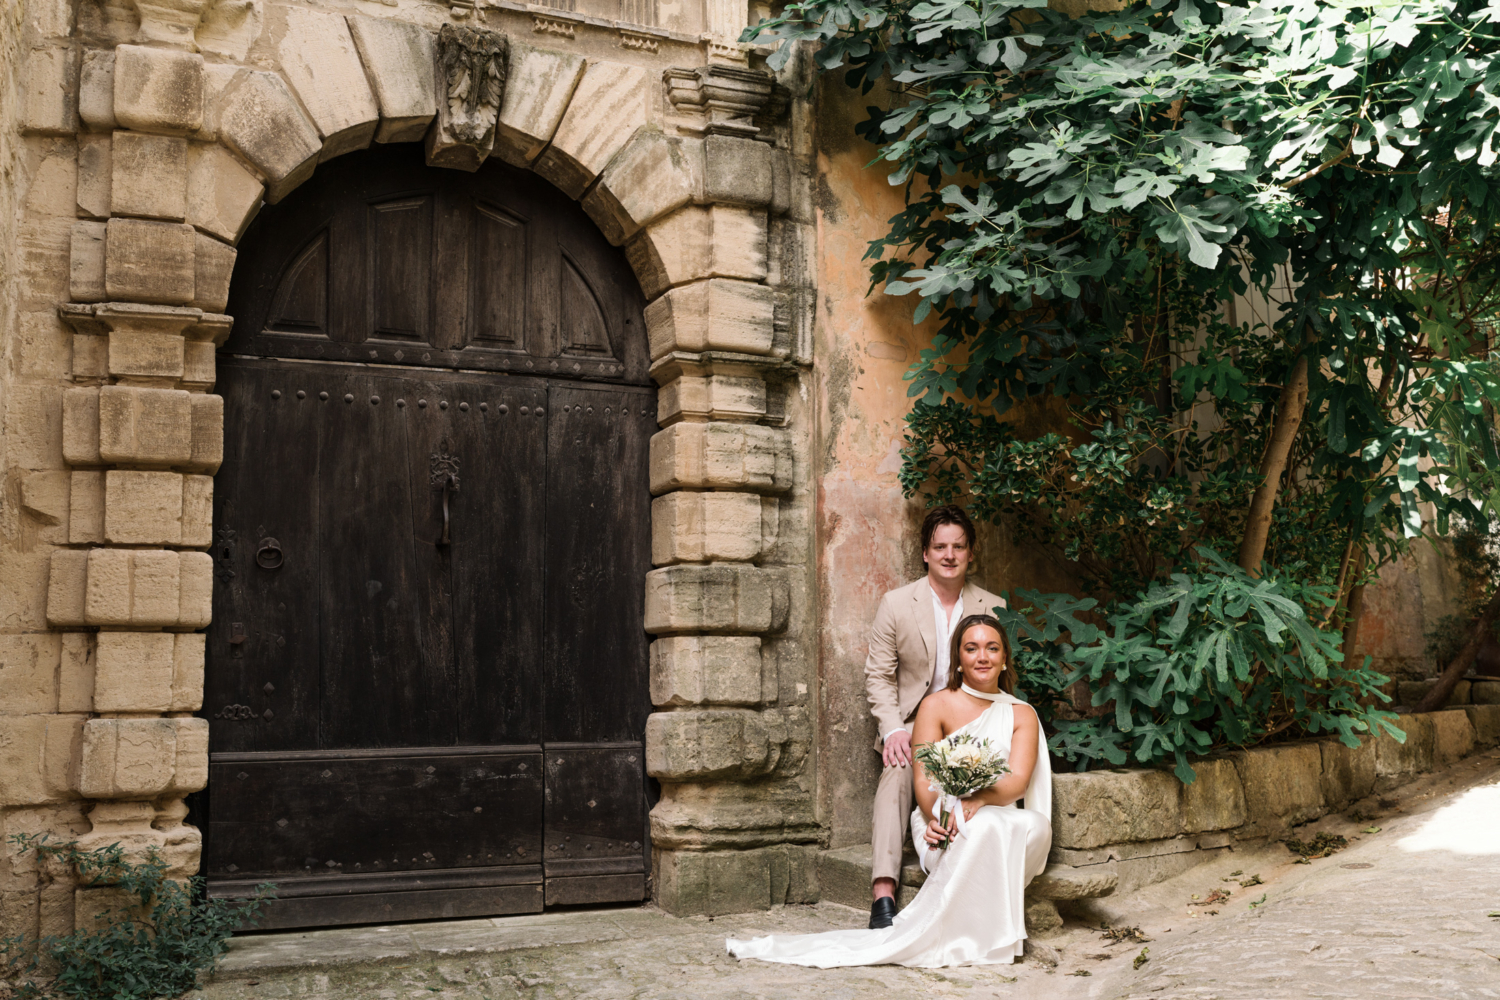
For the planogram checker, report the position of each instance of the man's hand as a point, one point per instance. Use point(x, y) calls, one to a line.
point(897, 752)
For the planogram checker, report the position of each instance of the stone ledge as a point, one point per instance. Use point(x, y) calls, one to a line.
point(1149, 827)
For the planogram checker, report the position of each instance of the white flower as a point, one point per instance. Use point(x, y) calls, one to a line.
point(968, 755)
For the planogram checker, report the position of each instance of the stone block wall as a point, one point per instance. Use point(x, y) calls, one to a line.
point(1147, 826)
point(143, 139)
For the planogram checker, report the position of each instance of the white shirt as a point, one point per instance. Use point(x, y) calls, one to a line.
point(946, 625)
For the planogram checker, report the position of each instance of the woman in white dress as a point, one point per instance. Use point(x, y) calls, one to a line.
point(971, 910)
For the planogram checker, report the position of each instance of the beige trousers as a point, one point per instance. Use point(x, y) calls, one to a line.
point(894, 801)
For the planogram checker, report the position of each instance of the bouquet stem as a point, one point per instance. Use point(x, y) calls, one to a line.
point(944, 814)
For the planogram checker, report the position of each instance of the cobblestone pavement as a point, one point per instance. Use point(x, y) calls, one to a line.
point(1410, 920)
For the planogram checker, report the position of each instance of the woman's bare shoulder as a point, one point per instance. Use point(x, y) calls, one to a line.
point(1025, 716)
point(936, 705)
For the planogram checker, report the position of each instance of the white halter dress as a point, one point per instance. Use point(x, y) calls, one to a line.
point(971, 909)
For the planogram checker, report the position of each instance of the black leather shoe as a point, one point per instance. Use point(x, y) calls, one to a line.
point(882, 912)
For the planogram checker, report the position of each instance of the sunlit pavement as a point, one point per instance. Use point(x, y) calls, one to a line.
point(1402, 913)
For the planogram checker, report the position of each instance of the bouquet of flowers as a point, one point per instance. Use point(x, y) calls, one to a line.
point(957, 766)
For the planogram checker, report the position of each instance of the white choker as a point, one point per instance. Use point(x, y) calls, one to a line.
point(981, 694)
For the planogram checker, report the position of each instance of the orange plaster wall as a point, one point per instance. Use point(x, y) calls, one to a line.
point(866, 532)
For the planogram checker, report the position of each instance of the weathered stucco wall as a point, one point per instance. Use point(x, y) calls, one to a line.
point(868, 533)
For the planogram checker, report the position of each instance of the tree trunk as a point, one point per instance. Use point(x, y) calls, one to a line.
point(1353, 608)
point(1437, 696)
point(1289, 412)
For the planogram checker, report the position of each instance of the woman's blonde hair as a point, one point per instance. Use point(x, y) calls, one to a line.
point(955, 673)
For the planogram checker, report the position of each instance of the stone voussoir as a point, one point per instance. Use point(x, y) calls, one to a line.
point(608, 104)
point(538, 89)
point(653, 175)
point(697, 242)
point(261, 121)
point(399, 59)
point(222, 196)
point(714, 315)
point(318, 56)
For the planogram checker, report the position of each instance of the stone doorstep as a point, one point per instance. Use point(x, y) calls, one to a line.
point(258, 953)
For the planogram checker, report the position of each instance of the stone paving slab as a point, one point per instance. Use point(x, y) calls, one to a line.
point(1411, 926)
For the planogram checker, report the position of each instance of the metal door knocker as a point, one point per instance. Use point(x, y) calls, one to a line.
point(445, 479)
point(268, 556)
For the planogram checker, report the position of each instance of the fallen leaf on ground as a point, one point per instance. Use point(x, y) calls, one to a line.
point(1320, 846)
point(1217, 896)
point(1117, 935)
point(1141, 959)
point(1101, 957)
point(1080, 972)
point(1259, 901)
point(1252, 880)
point(1371, 829)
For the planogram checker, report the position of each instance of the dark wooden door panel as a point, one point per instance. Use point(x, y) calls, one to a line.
point(498, 432)
point(264, 688)
point(598, 554)
point(326, 815)
point(387, 652)
point(596, 810)
point(430, 690)
point(380, 258)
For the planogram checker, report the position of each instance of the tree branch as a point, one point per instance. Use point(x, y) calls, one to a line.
point(1289, 412)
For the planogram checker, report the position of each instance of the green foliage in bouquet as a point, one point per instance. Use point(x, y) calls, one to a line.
point(1201, 662)
point(154, 947)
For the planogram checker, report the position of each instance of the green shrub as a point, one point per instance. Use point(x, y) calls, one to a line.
point(154, 947)
point(1214, 658)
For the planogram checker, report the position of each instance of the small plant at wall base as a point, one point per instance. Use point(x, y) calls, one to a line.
point(153, 947)
point(1086, 199)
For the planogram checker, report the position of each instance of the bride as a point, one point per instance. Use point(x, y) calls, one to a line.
point(970, 911)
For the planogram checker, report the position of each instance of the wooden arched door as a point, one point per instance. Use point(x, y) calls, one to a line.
point(427, 676)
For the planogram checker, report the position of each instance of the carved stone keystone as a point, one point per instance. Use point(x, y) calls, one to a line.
point(470, 76)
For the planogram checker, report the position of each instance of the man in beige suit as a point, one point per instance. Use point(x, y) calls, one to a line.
point(909, 653)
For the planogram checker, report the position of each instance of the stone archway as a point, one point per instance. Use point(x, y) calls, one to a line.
point(177, 152)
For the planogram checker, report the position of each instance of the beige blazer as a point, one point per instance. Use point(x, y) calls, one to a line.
point(903, 650)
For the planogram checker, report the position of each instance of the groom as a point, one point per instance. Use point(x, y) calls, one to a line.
point(909, 659)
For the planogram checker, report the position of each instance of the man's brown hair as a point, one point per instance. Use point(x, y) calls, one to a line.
point(946, 514)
